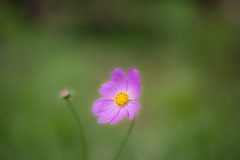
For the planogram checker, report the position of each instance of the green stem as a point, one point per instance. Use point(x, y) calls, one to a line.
point(120, 149)
point(77, 118)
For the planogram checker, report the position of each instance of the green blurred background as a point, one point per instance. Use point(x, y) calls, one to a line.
point(188, 55)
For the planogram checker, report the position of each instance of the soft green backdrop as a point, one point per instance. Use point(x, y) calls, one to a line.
point(188, 55)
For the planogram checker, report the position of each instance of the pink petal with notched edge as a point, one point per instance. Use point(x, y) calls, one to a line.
point(133, 84)
point(121, 114)
point(119, 80)
point(132, 108)
point(108, 90)
point(109, 115)
point(102, 105)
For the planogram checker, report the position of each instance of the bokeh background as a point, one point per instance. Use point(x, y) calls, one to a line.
point(188, 55)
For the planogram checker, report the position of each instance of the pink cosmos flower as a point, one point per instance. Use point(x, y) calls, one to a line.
point(119, 97)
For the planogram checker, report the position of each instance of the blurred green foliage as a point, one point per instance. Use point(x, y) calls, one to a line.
point(187, 53)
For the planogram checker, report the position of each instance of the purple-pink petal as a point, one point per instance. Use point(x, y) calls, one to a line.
point(109, 115)
point(108, 90)
point(119, 80)
point(135, 93)
point(132, 108)
point(133, 84)
point(121, 114)
point(102, 105)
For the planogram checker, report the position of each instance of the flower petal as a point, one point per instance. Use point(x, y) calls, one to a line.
point(119, 80)
point(121, 114)
point(133, 84)
point(101, 105)
point(132, 108)
point(136, 92)
point(109, 115)
point(108, 90)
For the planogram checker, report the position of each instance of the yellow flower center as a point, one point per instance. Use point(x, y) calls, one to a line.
point(121, 98)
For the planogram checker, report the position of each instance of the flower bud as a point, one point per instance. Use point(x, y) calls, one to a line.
point(65, 93)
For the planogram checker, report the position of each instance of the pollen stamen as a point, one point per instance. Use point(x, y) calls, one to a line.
point(121, 98)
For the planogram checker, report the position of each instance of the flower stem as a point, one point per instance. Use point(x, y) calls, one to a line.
point(120, 149)
point(77, 118)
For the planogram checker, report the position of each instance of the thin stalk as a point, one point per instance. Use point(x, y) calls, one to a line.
point(120, 149)
point(77, 118)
